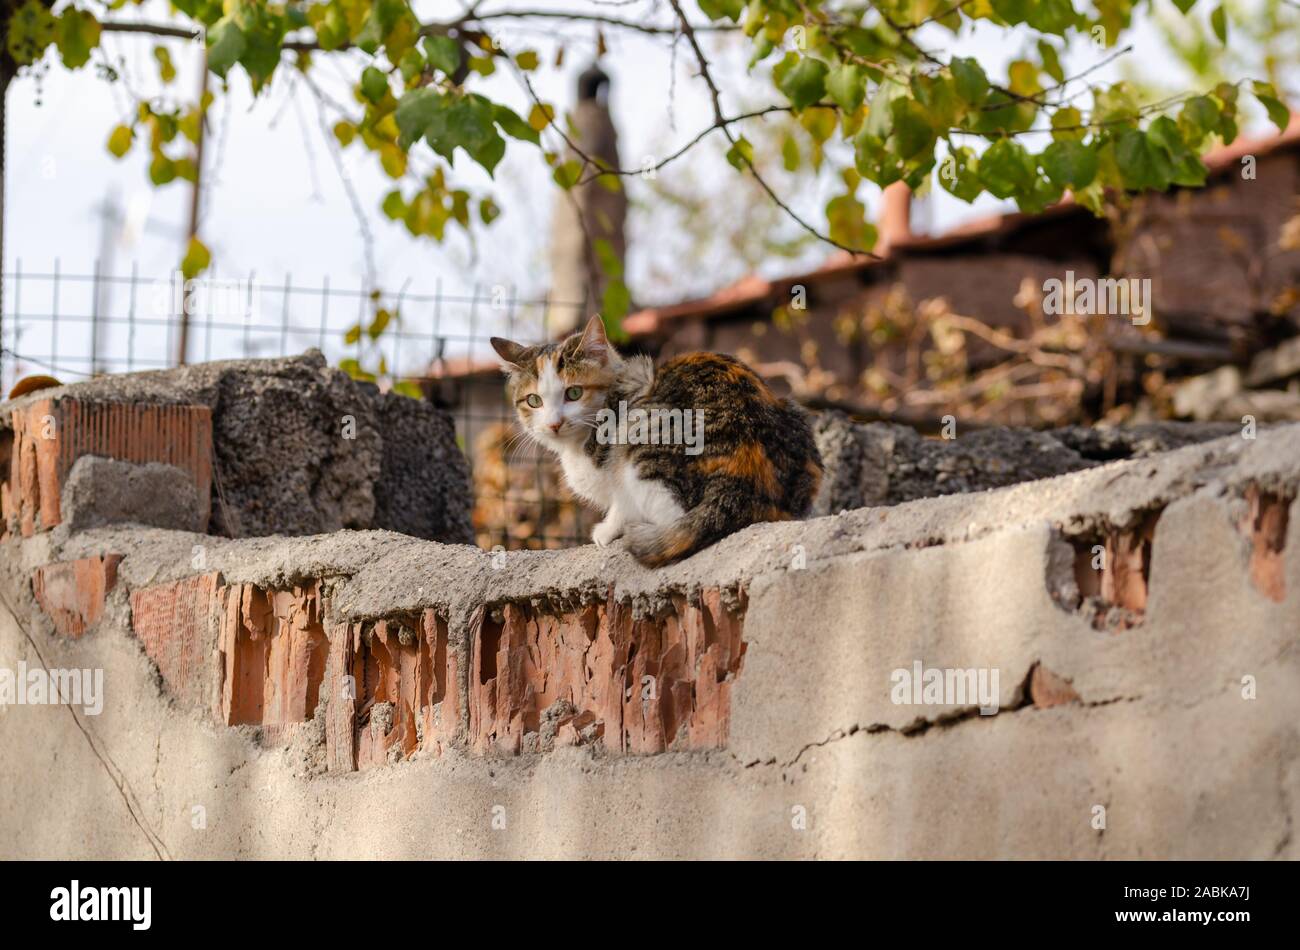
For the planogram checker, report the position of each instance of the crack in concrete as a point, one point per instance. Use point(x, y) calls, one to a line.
point(115, 774)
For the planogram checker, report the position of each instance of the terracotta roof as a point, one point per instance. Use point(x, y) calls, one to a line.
point(1226, 157)
point(753, 289)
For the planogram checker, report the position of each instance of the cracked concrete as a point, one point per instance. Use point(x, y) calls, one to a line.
point(1151, 723)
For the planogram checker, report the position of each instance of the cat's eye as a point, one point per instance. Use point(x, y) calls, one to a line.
point(573, 393)
point(534, 401)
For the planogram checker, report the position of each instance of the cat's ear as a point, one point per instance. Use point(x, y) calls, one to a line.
point(594, 342)
point(508, 350)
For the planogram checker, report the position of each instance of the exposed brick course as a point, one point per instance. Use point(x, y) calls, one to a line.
point(638, 685)
point(174, 623)
point(49, 435)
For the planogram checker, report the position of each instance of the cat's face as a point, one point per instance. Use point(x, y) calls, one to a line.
point(558, 389)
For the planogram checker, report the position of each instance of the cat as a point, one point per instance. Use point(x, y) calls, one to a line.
point(738, 454)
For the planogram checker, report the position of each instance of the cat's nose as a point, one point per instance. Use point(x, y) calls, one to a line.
point(555, 426)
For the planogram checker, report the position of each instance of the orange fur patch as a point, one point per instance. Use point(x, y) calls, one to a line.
point(670, 544)
point(749, 463)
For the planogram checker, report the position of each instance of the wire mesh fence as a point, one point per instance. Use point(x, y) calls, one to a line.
point(432, 345)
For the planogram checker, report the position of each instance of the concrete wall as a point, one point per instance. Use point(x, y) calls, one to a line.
point(1141, 616)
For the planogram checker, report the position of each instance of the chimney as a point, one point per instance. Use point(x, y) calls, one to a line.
point(895, 217)
point(575, 291)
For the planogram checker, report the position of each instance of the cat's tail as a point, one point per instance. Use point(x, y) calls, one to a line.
point(722, 511)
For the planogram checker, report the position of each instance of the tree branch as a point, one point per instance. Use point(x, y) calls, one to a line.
point(720, 121)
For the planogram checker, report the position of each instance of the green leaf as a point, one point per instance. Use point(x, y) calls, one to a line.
point(394, 205)
point(411, 64)
point(1066, 124)
point(972, 83)
point(806, 83)
point(1184, 5)
point(566, 174)
point(488, 211)
point(1070, 164)
point(1051, 16)
point(415, 112)
point(913, 133)
point(1007, 169)
point(1198, 118)
point(119, 142)
point(1219, 23)
point(30, 31)
point(374, 83)
point(1051, 60)
point(162, 170)
point(226, 44)
point(741, 154)
point(443, 53)
point(722, 9)
point(790, 154)
point(1142, 164)
point(516, 127)
point(847, 218)
point(1014, 11)
point(880, 117)
point(345, 132)
point(847, 86)
point(379, 324)
point(616, 301)
point(540, 116)
point(166, 68)
point(78, 35)
point(489, 153)
point(1186, 167)
point(1278, 113)
point(959, 174)
point(527, 60)
point(353, 335)
point(196, 260)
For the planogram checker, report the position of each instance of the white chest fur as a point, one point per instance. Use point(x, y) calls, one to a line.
point(619, 487)
point(645, 501)
point(594, 484)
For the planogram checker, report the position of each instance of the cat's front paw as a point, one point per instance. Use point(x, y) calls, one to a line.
point(606, 533)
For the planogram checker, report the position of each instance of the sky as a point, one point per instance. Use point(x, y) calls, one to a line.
point(276, 205)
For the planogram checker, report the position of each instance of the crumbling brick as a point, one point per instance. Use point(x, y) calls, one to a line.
point(1265, 525)
point(272, 649)
point(1113, 581)
point(72, 593)
point(639, 685)
point(174, 623)
point(49, 435)
point(392, 688)
point(1047, 689)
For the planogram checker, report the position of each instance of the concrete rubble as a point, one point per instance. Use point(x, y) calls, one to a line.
point(366, 693)
point(284, 446)
point(880, 463)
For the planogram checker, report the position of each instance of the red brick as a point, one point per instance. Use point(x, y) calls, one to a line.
point(174, 622)
point(50, 435)
point(272, 649)
point(406, 662)
point(72, 593)
point(1118, 588)
point(641, 686)
point(1265, 525)
point(1047, 689)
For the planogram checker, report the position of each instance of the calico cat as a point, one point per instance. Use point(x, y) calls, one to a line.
point(676, 457)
